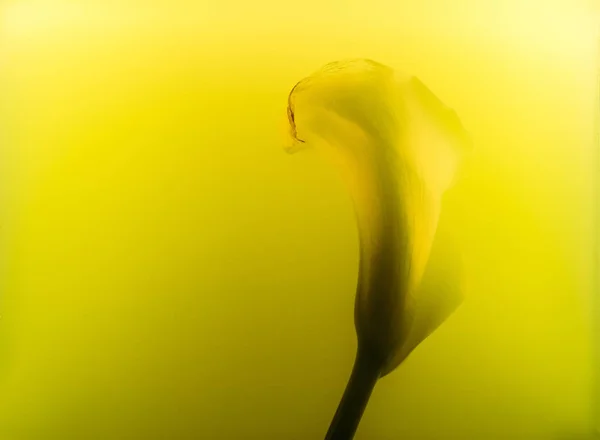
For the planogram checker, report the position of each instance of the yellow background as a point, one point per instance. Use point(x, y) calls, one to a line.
point(168, 272)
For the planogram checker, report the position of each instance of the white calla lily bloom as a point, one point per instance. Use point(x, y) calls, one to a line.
point(398, 149)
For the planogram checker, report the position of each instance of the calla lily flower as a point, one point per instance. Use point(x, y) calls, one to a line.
point(398, 149)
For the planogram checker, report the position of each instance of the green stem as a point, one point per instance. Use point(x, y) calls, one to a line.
point(365, 374)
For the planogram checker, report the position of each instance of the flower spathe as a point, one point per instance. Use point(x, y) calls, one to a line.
point(397, 147)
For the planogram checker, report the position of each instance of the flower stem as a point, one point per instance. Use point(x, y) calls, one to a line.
point(365, 374)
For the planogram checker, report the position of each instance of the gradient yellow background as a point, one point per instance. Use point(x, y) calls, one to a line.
point(167, 272)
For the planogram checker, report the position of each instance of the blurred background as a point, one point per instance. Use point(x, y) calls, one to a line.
point(168, 272)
